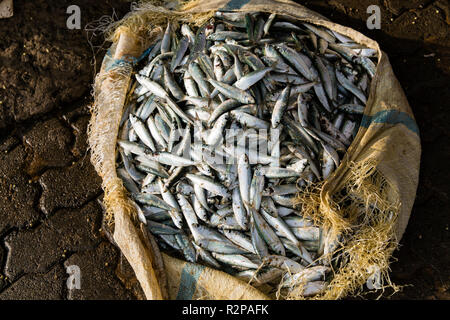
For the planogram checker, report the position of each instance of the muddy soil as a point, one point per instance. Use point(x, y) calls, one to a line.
point(49, 192)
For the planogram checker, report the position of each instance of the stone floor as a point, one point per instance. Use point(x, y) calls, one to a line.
point(50, 217)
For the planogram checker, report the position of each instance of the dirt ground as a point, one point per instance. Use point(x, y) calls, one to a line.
point(50, 217)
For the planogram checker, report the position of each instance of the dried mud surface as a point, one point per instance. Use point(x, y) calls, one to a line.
point(50, 217)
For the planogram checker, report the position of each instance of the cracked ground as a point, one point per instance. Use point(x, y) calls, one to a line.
point(50, 212)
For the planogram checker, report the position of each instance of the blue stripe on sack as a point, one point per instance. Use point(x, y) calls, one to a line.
point(188, 281)
point(391, 117)
point(236, 4)
point(108, 53)
point(107, 59)
point(128, 60)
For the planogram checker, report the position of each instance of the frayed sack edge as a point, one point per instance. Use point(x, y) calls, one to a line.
point(367, 224)
point(372, 240)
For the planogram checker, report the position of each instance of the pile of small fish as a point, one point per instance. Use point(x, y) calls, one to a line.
point(225, 126)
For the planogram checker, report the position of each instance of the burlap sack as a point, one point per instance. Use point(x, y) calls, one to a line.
point(379, 173)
